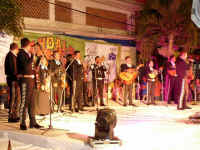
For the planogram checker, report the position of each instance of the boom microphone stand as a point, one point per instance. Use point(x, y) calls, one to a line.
point(51, 105)
point(108, 84)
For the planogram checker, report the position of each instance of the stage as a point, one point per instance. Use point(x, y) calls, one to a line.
point(158, 127)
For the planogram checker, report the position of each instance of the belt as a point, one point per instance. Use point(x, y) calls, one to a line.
point(28, 76)
point(10, 76)
point(99, 78)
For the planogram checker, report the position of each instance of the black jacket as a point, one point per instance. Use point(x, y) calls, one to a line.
point(98, 71)
point(181, 68)
point(10, 66)
point(56, 70)
point(77, 71)
point(24, 63)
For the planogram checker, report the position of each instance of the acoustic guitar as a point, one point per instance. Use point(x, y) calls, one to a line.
point(172, 72)
point(130, 75)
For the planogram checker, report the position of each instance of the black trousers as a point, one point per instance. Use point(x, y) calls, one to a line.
point(85, 93)
point(27, 86)
point(78, 95)
point(181, 92)
point(98, 86)
point(170, 83)
point(57, 95)
point(14, 103)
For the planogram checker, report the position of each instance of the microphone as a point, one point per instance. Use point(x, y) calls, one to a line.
point(86, 55)
point(36, 44)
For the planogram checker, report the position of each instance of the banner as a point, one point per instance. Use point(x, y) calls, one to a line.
point(50, 43)
point(108, 52)
point(5, 41)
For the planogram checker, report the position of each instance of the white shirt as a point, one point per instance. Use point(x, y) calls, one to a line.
point(173, 64)
point(129, 65)
point(57, 62)
point(13, 53)
point(29, 54)
point(79, 62)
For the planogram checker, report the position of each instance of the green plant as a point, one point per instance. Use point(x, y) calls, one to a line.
point(11, 19)
point(166, 22)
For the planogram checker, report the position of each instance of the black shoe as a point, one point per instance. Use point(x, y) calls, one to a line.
point(133, 105)
point(82, 109)
point(187, 107)
point(180, 108)
point(23, 127)
point(37, 126)
point(124, 105)
point(61, 110)
point(76, 110)
point(13, 120)
point(102, 104)
point(86, 105)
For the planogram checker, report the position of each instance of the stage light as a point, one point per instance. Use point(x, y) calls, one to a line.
point(105, 123)
point(195, 16)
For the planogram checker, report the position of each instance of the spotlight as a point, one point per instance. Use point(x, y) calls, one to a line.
point(106, 121)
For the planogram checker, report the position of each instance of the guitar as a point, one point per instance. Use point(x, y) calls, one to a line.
point(172, 72)
point(130, 75)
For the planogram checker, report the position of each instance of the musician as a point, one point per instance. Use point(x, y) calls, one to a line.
point(86, 83)
point(170, 79)
point(56, 71)
point(181, 89)
point(11, 72)
point(27, 84)
point(98, 76)
point(77, 77)
point(128, 87)
point(151, 74)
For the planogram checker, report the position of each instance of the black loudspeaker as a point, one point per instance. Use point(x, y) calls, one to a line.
point(105, 123)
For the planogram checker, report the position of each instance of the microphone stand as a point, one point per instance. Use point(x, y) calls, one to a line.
point(51, 106)
point(94, 94)
point(108, 83)
point(97, 101)
point(162, 86)
point(138, 88)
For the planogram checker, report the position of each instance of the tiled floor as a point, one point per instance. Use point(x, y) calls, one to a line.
point(144, 127)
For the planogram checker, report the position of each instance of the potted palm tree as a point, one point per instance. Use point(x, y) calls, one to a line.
point(165, 22)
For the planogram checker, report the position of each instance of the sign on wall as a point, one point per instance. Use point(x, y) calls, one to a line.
point(5, 42)
point(108, 52)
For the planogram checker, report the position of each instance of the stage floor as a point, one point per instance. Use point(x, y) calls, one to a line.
point(158, 127)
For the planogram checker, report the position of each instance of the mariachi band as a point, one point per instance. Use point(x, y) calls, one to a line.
point(35, 80)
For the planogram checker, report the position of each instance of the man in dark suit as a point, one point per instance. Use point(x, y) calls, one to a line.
point(12, 81)
point(77, 77)
point(181, 85)
point(98, 77)
point(57, 70)
point(27, 84)
point(170, 79)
